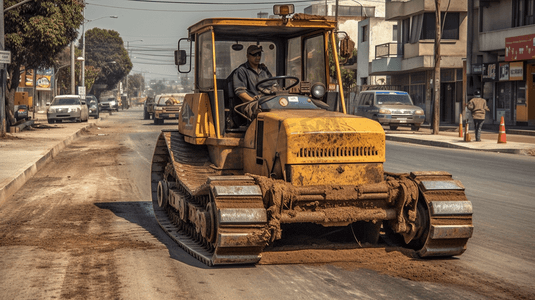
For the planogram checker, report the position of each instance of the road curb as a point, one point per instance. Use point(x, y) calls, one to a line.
point(20, 179)
point(449, 145)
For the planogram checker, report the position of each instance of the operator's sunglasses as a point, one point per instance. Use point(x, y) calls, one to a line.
point(256, 54)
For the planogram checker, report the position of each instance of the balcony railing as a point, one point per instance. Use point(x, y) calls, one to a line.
point(386, 50)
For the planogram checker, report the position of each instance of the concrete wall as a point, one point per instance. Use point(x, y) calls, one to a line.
point(497, 16)
point(402, 9)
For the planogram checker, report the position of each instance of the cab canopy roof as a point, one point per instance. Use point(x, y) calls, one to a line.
point(258, 28)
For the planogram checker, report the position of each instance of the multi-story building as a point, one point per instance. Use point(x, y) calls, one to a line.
point(409, 59)
point(501, 58)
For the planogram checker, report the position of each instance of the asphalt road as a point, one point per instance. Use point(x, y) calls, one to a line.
point(83, 228)
point(502, 192)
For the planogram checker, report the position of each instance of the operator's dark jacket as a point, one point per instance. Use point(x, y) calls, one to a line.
point(245, 78)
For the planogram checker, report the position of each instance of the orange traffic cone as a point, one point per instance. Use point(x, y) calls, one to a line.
point(467, 137)
point(502, 138)
point(461, 125)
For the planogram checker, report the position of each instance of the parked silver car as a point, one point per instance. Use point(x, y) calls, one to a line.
point(392, 108)
point(67, 107)
point(109, 104)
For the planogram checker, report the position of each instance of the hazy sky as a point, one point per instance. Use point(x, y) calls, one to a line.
point(161, 25)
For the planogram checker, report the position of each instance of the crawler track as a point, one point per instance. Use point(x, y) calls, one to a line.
point(234, 218)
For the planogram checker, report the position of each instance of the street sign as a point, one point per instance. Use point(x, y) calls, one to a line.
point(5, 57)
point(81, 91)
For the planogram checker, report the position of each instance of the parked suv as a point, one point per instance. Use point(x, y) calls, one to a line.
point(392, 108)
point(148, 108)
point(167, 106)
point(67, 107)
point(109, 104)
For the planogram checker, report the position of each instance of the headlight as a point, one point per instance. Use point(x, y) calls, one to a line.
point(52, 110)
point(318, 90)
point(385, 111)
point(419, 112)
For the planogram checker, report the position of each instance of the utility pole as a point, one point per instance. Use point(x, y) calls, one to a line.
point(73, 90)
point(2, 76)
point(436, 84)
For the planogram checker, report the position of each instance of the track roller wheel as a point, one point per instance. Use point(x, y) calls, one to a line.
point(163, 194)
point(208, 223)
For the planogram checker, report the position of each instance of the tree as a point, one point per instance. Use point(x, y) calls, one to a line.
point(35, 33)
point(136, 83)
point(105, 50)
point(158, 87)
point(63, 75)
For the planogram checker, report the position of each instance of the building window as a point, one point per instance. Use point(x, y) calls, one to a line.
point(364, 81)
point(523, 12)
point(450, 24)
point(405, 29)
point(364, 33)
point(395, 33)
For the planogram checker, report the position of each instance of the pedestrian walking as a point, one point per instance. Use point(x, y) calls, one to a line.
point(478, 108)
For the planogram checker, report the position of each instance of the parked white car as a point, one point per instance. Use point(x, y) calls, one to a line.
point(67, 107)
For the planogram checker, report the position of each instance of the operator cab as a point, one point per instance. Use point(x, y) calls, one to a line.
point(294, 51)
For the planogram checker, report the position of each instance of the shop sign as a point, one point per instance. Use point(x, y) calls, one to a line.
point(504, 71)
point(489, 72)
point(516, 70)
point(520, 47)
point(44, 79)
point(477, 69)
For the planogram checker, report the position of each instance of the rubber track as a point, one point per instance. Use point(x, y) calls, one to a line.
point(192, 167)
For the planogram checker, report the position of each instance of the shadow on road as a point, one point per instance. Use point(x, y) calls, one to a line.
point(141, 213)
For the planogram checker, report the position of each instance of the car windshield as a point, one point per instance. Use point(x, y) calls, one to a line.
point(389, 99)
point(66, 101)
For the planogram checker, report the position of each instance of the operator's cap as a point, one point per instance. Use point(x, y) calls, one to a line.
point(254, 49)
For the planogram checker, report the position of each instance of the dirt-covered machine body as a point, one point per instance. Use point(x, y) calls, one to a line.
point(226, 186)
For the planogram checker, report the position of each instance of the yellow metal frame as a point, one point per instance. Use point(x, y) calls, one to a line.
point(216, 100)
point(338, 73)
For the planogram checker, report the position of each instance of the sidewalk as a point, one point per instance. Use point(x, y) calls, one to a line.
point(518, 141)
point(24, 153)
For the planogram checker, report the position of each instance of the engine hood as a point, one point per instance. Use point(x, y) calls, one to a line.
point(319, 136)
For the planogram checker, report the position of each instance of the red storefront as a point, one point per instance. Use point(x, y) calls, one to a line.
point(517, 76)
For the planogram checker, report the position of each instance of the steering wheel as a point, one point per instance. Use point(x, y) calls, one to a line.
point(277, 78)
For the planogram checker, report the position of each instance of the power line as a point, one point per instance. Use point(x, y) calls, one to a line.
point(178, 11)
point(213, 3)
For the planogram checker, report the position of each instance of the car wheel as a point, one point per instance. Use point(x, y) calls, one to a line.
point(50, 121)
point(393, 127)
point(77, 120)
point(415, 127)
point(156, 122)
point(146, 115)
point(97, 116)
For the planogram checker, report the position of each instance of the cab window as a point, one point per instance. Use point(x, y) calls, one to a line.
point(206, 69)
point(368, 99)
point(227, 59)
point(314, 58)
point(293, 65)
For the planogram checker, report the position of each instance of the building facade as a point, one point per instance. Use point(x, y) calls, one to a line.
point(409, 59)
point(501, 58)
